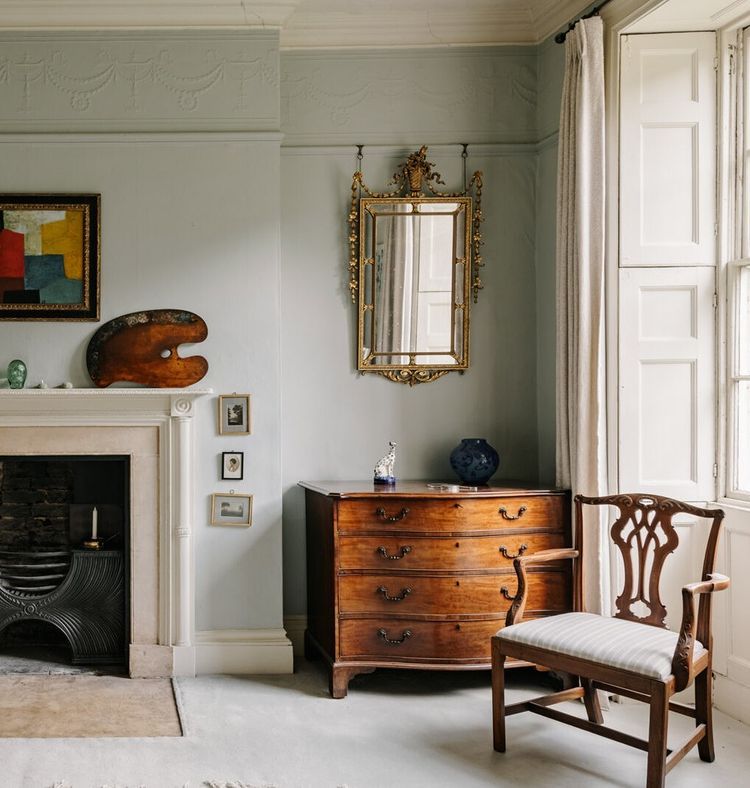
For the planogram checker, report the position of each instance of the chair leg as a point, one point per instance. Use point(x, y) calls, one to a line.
point(657, 736)
point(591, 701)
point(498, 697)
point(703, 714)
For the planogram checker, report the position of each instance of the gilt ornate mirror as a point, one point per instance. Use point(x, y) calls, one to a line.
point(413, 264)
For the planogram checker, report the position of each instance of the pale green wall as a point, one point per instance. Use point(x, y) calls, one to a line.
point(336, 422)
point(189, 219)
point(192, 217)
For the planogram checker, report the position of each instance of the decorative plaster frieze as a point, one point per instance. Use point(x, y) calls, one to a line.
point(139, 81)
point(454, 95)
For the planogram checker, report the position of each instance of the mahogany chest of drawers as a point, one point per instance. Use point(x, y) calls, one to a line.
point(413, 577)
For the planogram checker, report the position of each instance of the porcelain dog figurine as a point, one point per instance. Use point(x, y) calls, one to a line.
point(384, 467)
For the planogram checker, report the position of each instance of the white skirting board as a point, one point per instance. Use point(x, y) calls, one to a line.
point(295, 630)
point(732, 698)
point(243, 651)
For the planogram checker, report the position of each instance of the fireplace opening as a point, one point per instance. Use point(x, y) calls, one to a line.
point(64, 548)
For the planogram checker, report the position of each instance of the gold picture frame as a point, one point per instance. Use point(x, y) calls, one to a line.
point(234, 414)
point(233, 509)
point(49, 266)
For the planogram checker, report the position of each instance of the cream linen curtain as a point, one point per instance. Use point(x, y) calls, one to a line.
point(581, 443)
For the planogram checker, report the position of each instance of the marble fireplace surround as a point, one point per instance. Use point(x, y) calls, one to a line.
point(153, 427)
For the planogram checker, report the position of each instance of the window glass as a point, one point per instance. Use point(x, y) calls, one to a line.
point(742, 449)
point(743, 321)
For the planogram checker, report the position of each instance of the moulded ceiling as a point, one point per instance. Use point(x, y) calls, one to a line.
point(677, 15)
point(315, 23)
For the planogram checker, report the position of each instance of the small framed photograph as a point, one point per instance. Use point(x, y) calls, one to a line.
point(231, 509)
point(232, 464)
point(234, 414)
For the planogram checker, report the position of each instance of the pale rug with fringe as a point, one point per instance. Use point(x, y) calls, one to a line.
point(43, 707)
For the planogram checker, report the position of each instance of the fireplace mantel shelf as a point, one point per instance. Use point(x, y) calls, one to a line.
point(116, 403)
point(96, 392)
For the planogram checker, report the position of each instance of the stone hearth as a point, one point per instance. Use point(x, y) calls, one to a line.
point(153, 428)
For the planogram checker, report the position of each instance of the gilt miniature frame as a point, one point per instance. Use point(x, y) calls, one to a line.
point(234, 414)
point(49, 257)
point(232, 509)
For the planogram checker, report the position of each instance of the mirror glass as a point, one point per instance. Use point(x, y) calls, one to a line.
point(413, 281)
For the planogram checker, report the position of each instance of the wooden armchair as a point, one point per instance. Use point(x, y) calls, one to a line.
point(628, 654)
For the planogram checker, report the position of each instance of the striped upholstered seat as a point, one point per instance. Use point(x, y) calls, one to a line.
point(617, 643)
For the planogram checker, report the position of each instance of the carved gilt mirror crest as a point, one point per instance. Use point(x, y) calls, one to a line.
point(414, 260)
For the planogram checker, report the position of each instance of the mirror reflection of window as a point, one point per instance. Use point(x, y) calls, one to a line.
point(413, 300)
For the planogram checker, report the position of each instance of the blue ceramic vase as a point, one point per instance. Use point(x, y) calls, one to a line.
point(474, 461)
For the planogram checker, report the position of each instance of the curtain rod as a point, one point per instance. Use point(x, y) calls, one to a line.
point(560, 37)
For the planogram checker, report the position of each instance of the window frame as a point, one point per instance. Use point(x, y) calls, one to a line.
point(734, 380)
point(735, 199)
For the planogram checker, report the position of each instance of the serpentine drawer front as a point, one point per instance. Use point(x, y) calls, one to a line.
point(447, 514)
point(403, 639)
point(395, 552)
point(486, 594)
point(409, 576)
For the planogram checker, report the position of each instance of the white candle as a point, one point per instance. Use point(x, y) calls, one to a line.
point(94, 517)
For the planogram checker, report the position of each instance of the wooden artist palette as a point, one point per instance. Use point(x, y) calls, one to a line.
point(141, 347)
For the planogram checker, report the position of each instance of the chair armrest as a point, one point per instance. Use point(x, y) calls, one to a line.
point(554, 554)
point(682, 661)
point(716, 582)
point(518, 605)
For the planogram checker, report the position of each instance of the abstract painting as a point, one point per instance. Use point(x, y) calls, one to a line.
point(49, 256)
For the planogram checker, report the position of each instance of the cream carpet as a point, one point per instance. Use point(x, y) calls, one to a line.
point(397, 729)
point(43, 707)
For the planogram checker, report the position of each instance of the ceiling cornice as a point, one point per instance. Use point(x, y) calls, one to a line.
point(311, 29)
point(306, 24)
point(106, 14)
point(551, 16)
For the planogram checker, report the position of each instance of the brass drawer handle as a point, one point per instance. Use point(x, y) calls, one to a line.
point(521, 550)
point(405, 635)
point(506, 516)
point(405, 550)
point(506, 594)
point(391, 518)
point(404, 593)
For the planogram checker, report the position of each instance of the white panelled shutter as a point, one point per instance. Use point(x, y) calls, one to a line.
point(666, 320)
point(667, 382)
point(668, 150)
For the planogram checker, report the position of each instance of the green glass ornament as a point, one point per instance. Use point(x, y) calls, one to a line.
point(16, 374)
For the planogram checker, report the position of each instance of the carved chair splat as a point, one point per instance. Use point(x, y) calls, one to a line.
point(632, 653)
